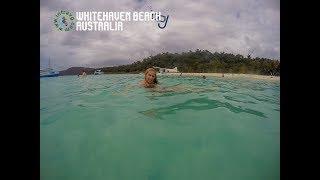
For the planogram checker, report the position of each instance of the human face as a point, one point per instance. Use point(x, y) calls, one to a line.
point(150, 76)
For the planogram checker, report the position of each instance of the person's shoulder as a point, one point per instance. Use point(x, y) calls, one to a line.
point(141, 83)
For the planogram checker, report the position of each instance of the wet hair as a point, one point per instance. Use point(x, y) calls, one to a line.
point(155, 81)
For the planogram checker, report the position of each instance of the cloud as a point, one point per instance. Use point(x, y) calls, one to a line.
point(223, 25)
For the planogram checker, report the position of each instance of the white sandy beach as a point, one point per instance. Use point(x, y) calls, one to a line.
point(226, 75)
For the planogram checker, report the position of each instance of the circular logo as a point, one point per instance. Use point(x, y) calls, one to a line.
point(64, 21)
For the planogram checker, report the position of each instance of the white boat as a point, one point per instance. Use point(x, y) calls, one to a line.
point(98, 72)
point(48, 72)
point(166, 70)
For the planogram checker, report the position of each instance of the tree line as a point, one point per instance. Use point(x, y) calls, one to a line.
point(202, 61)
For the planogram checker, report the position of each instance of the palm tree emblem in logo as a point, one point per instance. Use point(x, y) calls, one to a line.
point(64, 21)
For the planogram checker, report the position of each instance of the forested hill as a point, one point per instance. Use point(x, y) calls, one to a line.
point(202, 61)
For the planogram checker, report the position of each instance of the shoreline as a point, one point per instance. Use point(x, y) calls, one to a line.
point(225, 75)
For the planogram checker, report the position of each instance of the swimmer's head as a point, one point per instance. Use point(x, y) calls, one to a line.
point(150, 76)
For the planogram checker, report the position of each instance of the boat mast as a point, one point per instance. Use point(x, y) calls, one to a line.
point(49, 64)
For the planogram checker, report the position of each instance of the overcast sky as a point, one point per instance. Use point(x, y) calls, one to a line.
point(232, 26)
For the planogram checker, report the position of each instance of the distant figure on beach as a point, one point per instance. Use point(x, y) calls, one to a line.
point(222, 74)
point(82, 74)
point(150, 78)
point(180, 74)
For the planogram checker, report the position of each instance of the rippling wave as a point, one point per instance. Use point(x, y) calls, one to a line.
point(198, 105)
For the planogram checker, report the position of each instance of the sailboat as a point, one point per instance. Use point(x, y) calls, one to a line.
point(48, 72)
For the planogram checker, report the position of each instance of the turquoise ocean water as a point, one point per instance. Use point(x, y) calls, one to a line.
point(106, 127)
